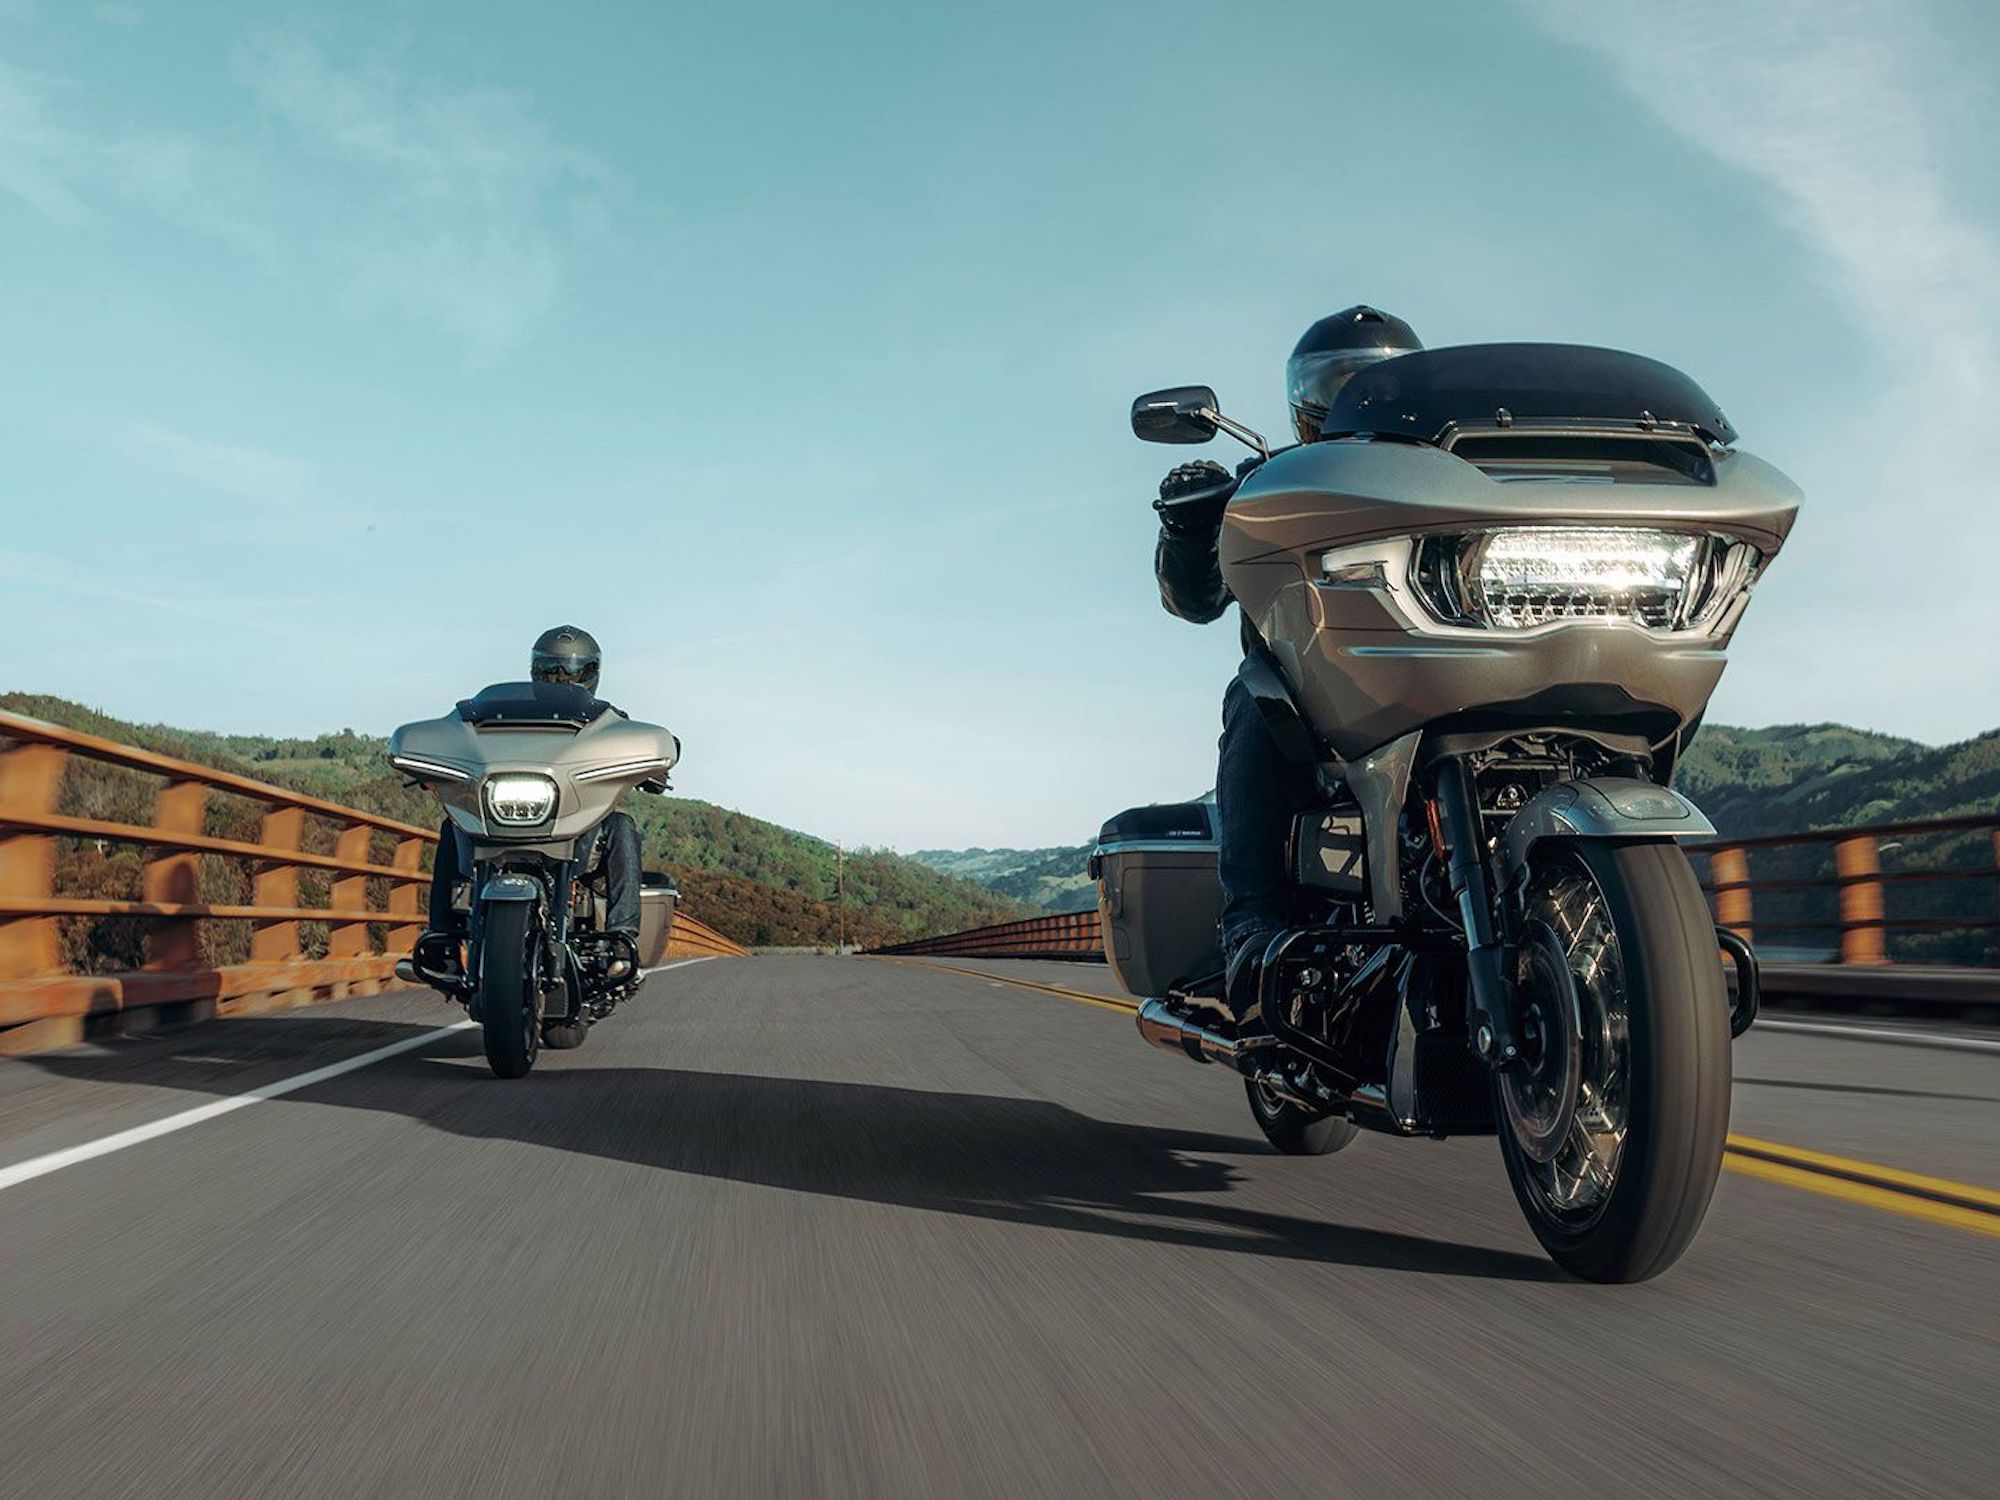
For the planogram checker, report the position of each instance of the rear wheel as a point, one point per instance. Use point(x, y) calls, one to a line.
point(560, 1036)
point(1294, 1129)
point(507, 990)
point(1612, 1130)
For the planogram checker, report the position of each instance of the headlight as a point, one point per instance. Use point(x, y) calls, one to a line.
point(520, 800)
point(1522, 577)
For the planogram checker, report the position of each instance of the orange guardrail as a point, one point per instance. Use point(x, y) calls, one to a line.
point(1855, 889)
point(234, 895)
point(1905, 917)
point(692, 939)
point(1073, 935)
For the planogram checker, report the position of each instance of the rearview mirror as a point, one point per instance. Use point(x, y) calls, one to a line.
point(1179, 414)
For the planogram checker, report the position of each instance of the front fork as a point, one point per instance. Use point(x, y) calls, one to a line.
point(1496, 1036)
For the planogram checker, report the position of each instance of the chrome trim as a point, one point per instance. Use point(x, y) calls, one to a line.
point(418, 766)
point(1161, 1026)
point(620, 768)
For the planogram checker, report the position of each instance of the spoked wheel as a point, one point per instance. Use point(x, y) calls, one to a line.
point(507, 990)
point(1613, 1127)
point(1294, 1129)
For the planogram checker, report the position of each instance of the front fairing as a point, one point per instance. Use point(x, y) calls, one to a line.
point(592, 767)
point(1369, 665)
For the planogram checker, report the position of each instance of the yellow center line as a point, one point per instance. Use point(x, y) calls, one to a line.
point(1103, 1002)
point(1937, 1200)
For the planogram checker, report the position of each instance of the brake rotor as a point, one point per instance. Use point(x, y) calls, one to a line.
point(1539, 1094)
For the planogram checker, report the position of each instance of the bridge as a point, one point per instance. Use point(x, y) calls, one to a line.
point(935, 1223)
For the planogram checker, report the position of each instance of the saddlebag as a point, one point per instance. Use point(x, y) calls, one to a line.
point(659, 898)
point(1158, 895)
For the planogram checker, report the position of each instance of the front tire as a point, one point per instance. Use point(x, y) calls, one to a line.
point(1614, 1149)
point(507, 991)
point(1293, 1129)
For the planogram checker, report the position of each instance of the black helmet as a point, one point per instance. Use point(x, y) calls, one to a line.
point(1333, 349)
point(566, 654)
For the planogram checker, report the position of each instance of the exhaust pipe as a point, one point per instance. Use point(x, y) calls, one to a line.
point(1175, 1033)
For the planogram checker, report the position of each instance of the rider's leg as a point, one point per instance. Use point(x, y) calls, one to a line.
point(445, 876)
point(621, 874)
point(1257, 793)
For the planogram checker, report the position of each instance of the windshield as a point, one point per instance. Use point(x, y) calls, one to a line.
point(1424, 395)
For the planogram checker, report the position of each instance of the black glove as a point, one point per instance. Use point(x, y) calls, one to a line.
point(1192, 497)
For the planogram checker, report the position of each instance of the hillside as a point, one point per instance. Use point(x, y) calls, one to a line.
point(1050, 879)
point(761, 884)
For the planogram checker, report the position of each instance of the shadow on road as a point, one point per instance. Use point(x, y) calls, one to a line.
point(1024, 1161)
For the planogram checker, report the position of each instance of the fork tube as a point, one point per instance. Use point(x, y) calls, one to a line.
point(1493, 1035)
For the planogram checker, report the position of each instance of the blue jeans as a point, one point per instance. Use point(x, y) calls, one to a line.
point(1258, 792)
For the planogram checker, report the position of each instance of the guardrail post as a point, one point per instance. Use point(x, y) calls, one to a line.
point(30, 782)
point(404, 894)
point(1857, 863)
point(175, 942)
point(350, 893)
point(276, 883)
point(1729, 876)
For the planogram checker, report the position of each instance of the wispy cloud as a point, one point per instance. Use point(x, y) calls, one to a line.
point(1823, 101)
point(454, 208)
point(37, 148)
point(1833, 107)
point(230, 469)
point(457, 206)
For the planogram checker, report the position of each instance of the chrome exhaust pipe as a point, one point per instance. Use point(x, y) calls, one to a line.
point(1175, 1033)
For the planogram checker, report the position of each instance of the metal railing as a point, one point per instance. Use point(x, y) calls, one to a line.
point(1071, 935)
point(1906, 916)
point(1936, 894)
point(244, 896)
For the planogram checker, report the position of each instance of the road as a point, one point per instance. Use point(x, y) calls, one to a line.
point(816, 1226)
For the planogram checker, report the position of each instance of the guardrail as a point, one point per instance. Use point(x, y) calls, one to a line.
point(1865, 892)
point(1070, 935)
point(692, 939)
point(234, 895)
point(1861, 888)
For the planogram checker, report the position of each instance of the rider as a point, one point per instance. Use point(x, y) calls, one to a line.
point(1257, 789)
point(564, 654)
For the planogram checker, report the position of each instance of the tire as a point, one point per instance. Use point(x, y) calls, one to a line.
point(1674, 1058)
point(507, 998)
point(1295, 1130)
point(560, 1036)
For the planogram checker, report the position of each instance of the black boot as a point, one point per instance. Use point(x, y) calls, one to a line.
point(621, 961)
point(1244, 980)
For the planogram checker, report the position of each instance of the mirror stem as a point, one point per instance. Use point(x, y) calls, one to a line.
point(1244, 435)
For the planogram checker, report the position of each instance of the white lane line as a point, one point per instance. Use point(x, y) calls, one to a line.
point(677, 964)
point(55, 1161)
point(1881, 1034)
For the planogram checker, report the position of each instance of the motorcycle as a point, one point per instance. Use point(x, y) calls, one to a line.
point(1494, 599)
point(527, 772)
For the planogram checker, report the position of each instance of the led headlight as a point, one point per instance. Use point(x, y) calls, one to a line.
point(1520, 577)
point(521, 799)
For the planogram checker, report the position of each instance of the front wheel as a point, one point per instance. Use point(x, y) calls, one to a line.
point(1294, 1129)
point(1612, 1130)
point(507, 988)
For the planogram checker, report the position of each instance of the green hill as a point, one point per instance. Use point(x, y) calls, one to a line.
point(761, 884)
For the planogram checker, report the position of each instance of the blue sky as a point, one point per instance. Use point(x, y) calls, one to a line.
point(788, 348)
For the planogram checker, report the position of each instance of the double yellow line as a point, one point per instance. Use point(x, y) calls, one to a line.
point(1937, 1200)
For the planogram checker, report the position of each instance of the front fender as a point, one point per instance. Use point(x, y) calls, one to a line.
point(510, 888)
point(1608, 807)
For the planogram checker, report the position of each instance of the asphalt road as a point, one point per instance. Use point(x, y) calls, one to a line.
point(805, 1226)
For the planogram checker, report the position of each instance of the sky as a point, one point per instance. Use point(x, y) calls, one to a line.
point(788, 348)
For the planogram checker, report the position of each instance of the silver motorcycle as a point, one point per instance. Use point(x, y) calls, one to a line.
point(527, 772)
point(1493, 601)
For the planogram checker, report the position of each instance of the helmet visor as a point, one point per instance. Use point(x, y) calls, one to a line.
point(1313, 380)
point(548, 666)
